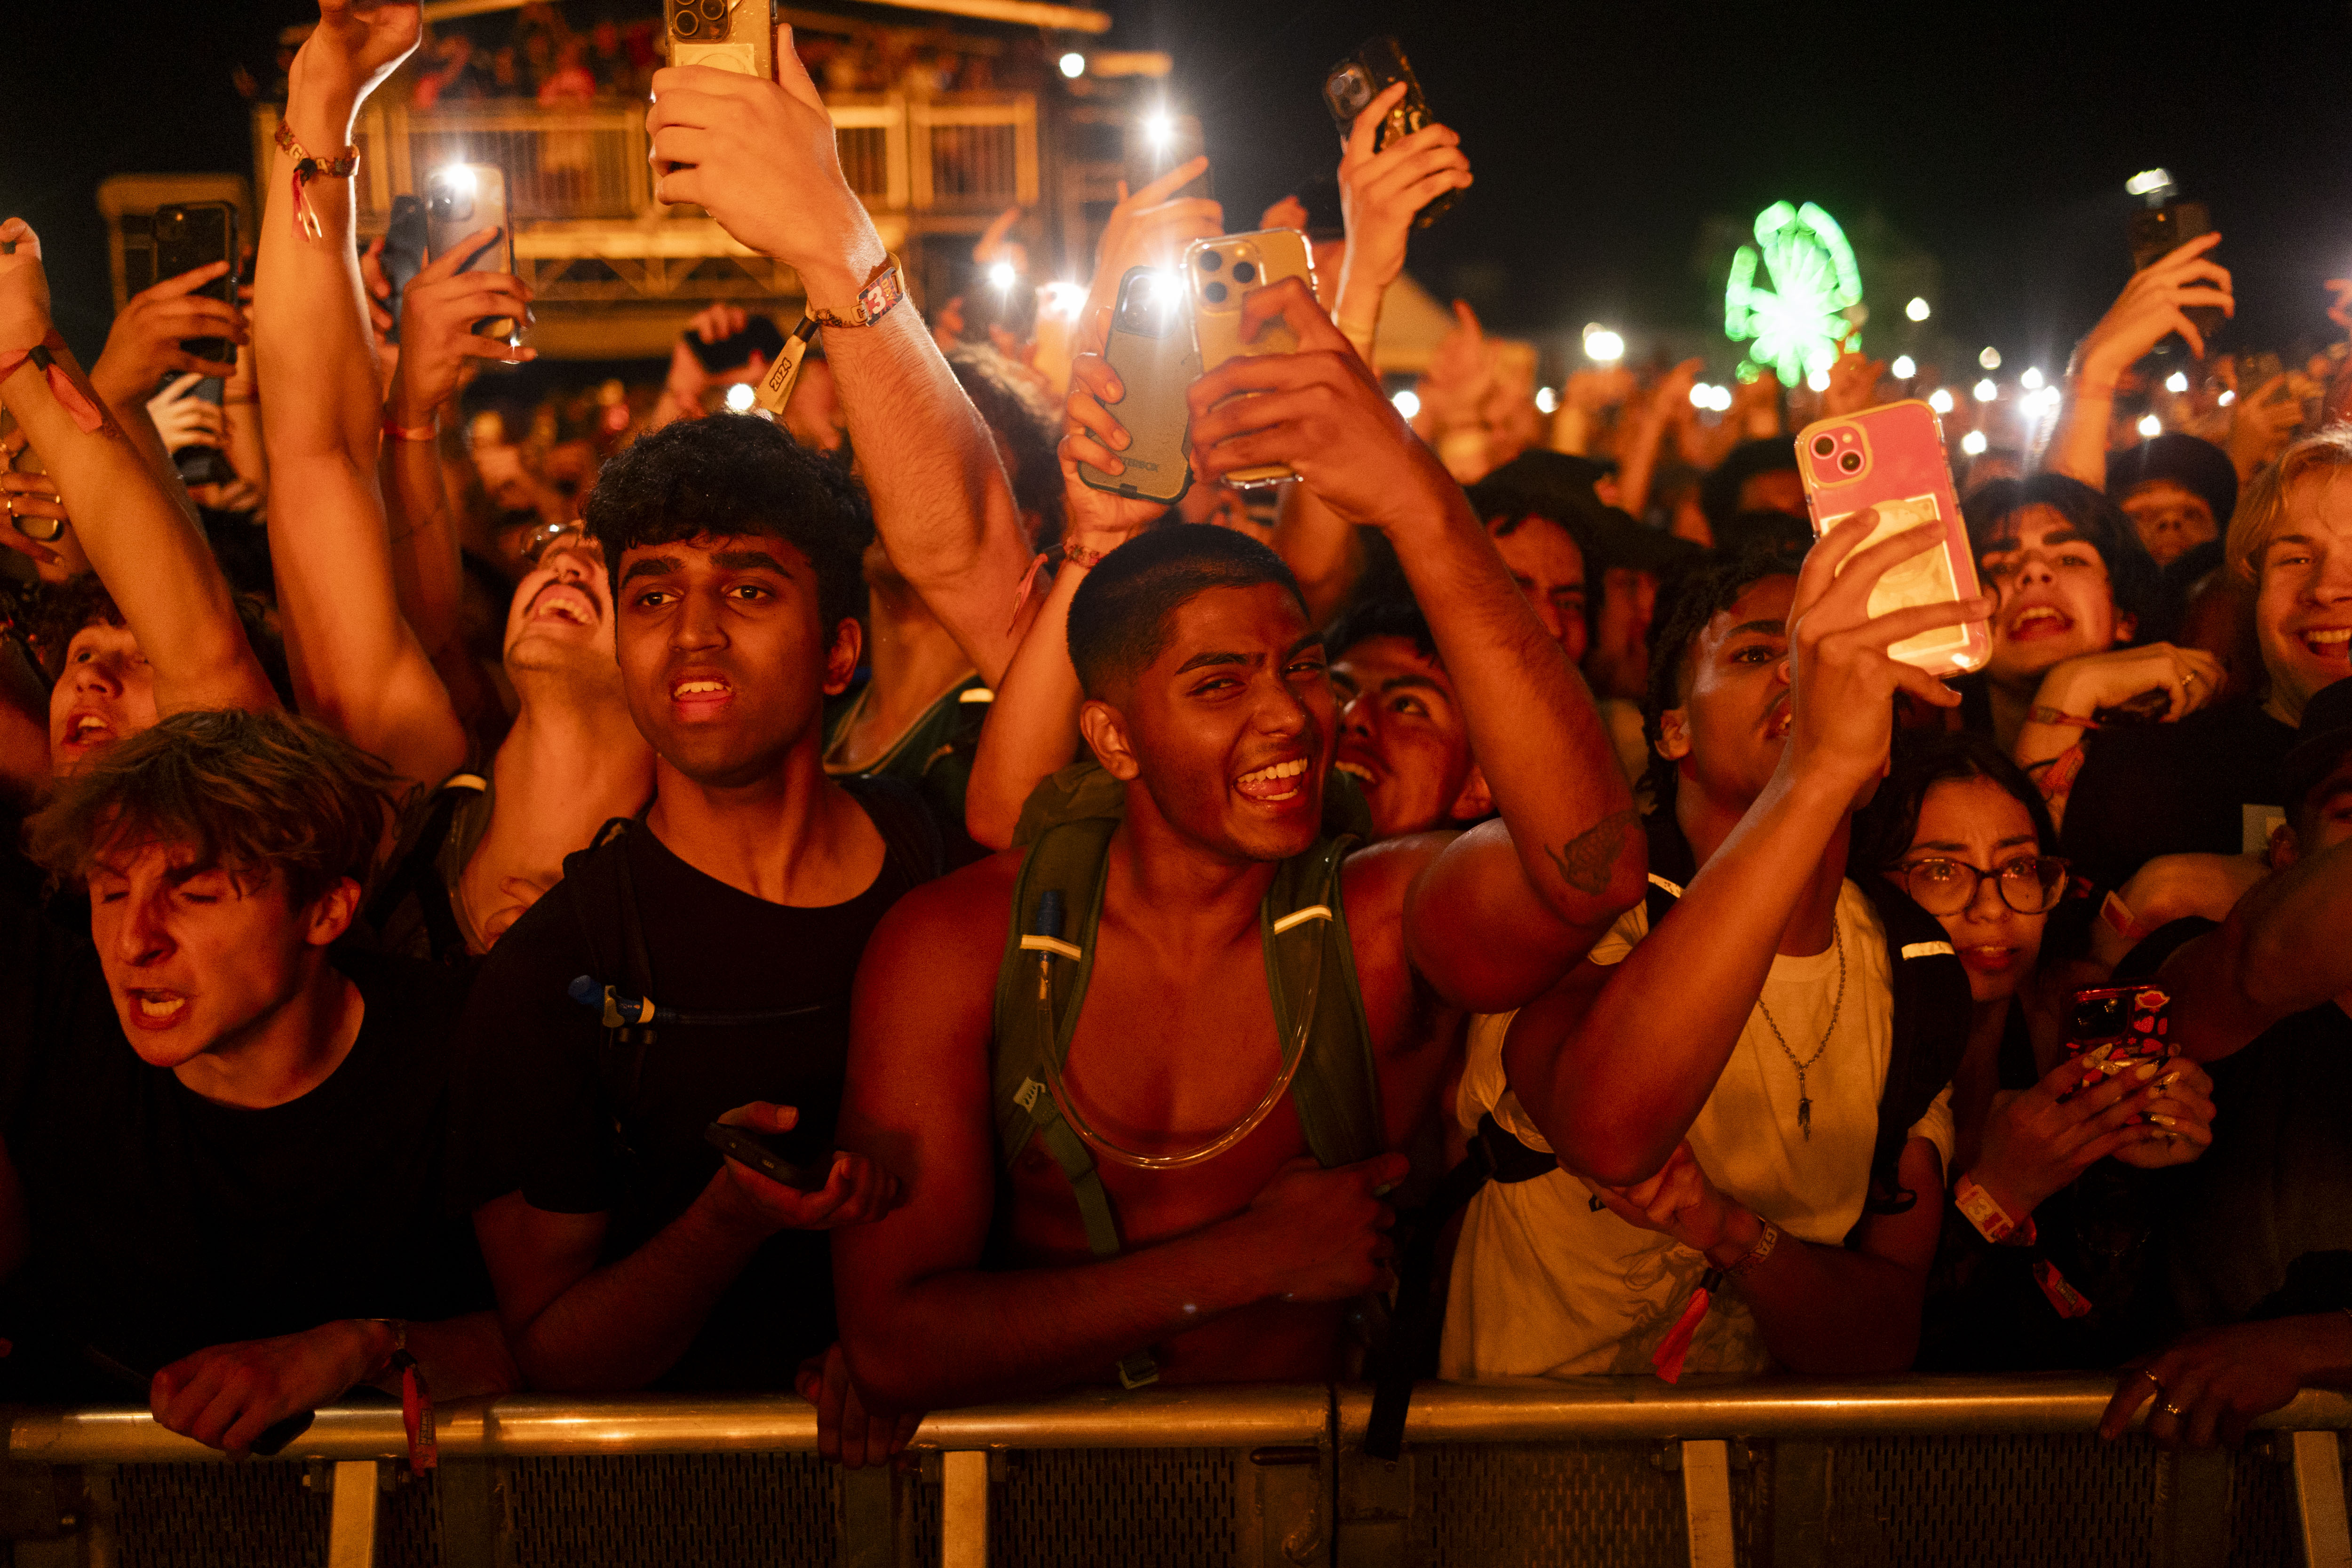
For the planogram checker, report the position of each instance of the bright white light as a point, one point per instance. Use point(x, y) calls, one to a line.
point(1408, 403)
point(1903, 368)
point(1603, 346)
point(1160, 129)
point(2177, 382)
point(1990, 358)
point(2151, 428)
point(457, 177)
point(1062, 298)
point(2228, 398)
point(1702, 395)
point(1073, 65)
point(1818, 380)
point(1546, 400)
point(1973, 443)
point(1723, 400)
point(1917, 310)
point(2031, 379)
point(1940, 400)
point(1001, 273)
point(1987, 391)
point(739, 398)
point(2147, 180)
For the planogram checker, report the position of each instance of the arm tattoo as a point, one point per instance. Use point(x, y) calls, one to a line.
point(1584, 861)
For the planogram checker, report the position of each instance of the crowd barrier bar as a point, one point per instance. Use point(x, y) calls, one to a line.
point(1304, 1428)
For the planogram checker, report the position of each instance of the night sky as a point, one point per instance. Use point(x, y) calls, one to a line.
point(1606, 139)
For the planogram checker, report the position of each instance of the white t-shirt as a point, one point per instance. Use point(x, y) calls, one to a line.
point(1545, 1286)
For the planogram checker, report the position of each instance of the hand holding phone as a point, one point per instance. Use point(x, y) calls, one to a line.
point(1151, 352)
point(1379, 75)
point(190, 235)
point(1222, 273)
point(2111, 1029)
point(763, 1152)
point(461, 200)
point(726, 35)
point(1158, 144)
point(2176, 291)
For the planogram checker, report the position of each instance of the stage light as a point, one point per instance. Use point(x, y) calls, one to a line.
point(1408, 403)
point(2031, 379)
point(1073, 65)
point(739, 398)
point(1986, 391)
point(1546, 400)
point(1918, 310)
point(1702, 395)
point(2151, 428)
point(1990, 358)
point(1903, 368)
point(2177, 382)
point(1818, 380)
point(1603, 346)
point(1940, 400)
point(1973, 443)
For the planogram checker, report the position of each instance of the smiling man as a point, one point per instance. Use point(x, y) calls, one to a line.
point(224, 1170)
point(1402, 737)
point(1109, 1181)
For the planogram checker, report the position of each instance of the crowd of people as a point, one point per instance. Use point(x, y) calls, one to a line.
point(836, 903)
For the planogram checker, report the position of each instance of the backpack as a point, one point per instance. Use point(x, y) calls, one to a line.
point(1041, 986)
point(1929, 1024)
point(414, 872)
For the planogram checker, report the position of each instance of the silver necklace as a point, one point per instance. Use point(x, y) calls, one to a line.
point(1804, 1105)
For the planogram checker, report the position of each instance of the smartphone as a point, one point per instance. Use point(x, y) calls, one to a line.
point(759, 336)
point(404, 252)
point(204, 465)
point(751, 1149)
point(2112, 1029)
point(1159, 143)
point(2155, 233)
point(138, 254)
point(1892, 458)
point(727, 35)
point(189, 234)
point(1378, 65)
point(460, 200)
point(1222, 272)
point(1151, 346)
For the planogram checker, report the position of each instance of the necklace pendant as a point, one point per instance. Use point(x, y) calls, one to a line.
point(1805, 1117)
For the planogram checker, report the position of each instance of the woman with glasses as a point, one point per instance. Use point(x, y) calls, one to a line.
point(2045, 1243)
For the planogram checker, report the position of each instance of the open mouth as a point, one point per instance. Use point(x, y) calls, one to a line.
point(701, 693)
point(156, 1009)
point(1275, 783)
point(1353, 769)
point(562, 602)
point(1777, 727)
point(2038, 621)
point(1987, 957)
point(2327, 642)
point(88, 729)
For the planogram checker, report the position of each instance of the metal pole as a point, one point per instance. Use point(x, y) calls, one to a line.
point(2319, 1499)
point(1706, 1502)
point(351, 1529)
point(963, 1510)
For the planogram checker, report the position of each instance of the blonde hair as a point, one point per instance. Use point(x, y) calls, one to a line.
point(2262, 514)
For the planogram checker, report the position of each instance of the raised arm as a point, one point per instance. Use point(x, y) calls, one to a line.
point(1381, 192)
point(2150, 309)
point(140, 536)
point(2281, 953)
point(760, 157)
point(357, 666)
point(1509, 906)
point(144, 343)
point(1616, 1082)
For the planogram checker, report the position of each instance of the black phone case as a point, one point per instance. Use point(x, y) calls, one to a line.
point(1382, 62)
point(751, 1149)
point(204, 233)
point(404, 252)
point(1145, 163)
point(2156, 232)
point(760, 334)
point(1156, 372)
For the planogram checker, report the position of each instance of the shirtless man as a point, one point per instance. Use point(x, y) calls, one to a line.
point(1208, 699)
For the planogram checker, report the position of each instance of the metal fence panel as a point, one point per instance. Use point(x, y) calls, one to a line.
point(1104, 1507)
point(714, 1510)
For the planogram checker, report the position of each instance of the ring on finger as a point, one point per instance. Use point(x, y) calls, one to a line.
point(2168, 1408)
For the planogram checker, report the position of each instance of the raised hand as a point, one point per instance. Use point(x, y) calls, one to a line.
point(2038, 1140)
point(24, 287)
point(1091, 433)
point(2152, 308)
point(438, 313)
point(185, 421)
point(1854, 384)
point(355, 46)
point(143, 344)
point(1323, 1236)
point(2189, 677)
point(32, 506)
point(1381, 192)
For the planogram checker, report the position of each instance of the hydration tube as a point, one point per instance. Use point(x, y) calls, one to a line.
point(1049, 926)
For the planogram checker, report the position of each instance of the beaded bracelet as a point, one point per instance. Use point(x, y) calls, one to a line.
point(308, 168)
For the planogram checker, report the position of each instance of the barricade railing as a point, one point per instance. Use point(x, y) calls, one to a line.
point(1303, 1490)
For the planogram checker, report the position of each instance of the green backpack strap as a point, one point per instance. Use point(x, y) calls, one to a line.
point(1304, 924)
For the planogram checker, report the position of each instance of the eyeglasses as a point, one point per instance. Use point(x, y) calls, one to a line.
point(2030, 884)
point(545, 537)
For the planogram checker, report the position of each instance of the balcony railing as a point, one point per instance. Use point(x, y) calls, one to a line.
point(1930, 1470)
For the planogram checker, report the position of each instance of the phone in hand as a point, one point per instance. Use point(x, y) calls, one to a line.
point(1159, 143)
point(1222, 273)
point(1892, 458)
point(765, 1154)
point(2155, 233)
point(204, 465)
point(726, 35)
point(1150, 347)
point(189, 234)
point(1378, 65)
point(2111, 1029)
point(759, 336)
point(403, 257)
point(460, 200)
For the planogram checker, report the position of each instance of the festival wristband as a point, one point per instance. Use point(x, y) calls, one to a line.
point(307, 168)
point(1748, 1261)
point(2043, 713)
point(44, 356)
point(876, 298)
point(397, 431)
point(1984, 1212)
point(415, 1399)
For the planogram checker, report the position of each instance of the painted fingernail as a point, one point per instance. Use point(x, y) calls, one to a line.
point(2167, 1080)
point(2146, 1069)
point(2161, 1120)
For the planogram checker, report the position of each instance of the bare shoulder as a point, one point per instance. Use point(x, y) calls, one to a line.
point(1377, 880)
point(954, 917)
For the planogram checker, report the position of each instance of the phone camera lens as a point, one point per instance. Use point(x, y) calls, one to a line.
point(685, 24)
point(1824, 446)
point(1850, 462)
point(1214, 293)
point(1210, 262)
point(1244, 273)
point(714, 11)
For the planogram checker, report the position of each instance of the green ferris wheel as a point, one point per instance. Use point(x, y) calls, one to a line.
point(1797, 325)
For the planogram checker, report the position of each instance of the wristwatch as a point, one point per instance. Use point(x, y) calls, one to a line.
point(883, 289)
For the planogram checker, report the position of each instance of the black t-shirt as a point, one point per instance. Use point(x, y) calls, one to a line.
point(163, 1222)
point(542, 1100)
point(2165, 789)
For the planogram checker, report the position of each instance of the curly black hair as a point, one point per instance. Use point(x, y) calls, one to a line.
point(736, 474)
point(1682, 614)
point(1027, 428)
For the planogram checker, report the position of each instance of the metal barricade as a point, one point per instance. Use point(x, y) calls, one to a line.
point(1601, 1471)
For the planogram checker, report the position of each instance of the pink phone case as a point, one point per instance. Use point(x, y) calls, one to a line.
point(1892, 458)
